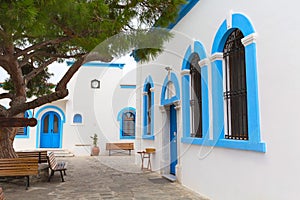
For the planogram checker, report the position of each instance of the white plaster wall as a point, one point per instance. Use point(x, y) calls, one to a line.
point(98, 107)
point(221, 173)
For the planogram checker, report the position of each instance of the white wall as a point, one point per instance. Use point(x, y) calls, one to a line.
point(223, 173)
point(98, 107)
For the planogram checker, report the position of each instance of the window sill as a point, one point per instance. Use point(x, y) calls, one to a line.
point(242, 144)
point(22, 136)
point(225, 143)
point(127, 137)
point(148, 137)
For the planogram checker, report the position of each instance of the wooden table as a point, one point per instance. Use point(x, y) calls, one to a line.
point(146, 156)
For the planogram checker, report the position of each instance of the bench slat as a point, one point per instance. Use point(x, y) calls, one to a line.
point(41, 155)
point(19, 167)
point(56, 166)
point(120, 146)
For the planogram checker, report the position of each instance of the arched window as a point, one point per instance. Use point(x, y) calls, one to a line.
point(195, 96)
point(77, 119)
point(128, 124)
point(235, 91)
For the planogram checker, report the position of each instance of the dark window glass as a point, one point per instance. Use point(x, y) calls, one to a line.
point(149, 103)
point(235, 94)
point(196, 97)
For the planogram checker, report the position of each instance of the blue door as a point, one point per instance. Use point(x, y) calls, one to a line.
point(50, 130)
point(173, 139)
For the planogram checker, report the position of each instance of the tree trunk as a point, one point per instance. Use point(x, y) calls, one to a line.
point(7, 136)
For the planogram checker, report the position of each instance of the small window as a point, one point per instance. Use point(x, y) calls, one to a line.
point(77, 119)
point(23, 131)
point(128, 128)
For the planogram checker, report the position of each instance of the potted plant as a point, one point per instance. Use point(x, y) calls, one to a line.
point(95, 149)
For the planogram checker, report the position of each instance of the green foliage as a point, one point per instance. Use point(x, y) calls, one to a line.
point(38, 86)
point(73, 28)
point(95, 139)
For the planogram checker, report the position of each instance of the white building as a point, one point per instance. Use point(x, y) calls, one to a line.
point(219, 105)
point(224, 115)
point(101, 98)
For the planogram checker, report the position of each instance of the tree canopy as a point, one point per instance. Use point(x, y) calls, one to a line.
point(36, 33)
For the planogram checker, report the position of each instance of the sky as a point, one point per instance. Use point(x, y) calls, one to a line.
point(59, 69)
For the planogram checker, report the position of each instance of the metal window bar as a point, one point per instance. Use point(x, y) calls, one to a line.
point(235, 94)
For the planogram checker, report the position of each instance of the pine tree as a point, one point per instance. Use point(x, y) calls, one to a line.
point(36, 33)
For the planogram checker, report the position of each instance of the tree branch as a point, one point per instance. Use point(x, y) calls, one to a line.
point(6, 95)
point(38, 70)
point(42, 44)
point(3, 111)
point(20, 108)
point(62, 84)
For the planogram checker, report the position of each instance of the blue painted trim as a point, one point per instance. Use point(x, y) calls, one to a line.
point(98, 64)
point(224, 143)
point(238, 21)
point(62, 121)
point(185, 61)
point(254, 143)
point(217, 99)
point(119, 118)
point(148, 82)
point(120, 113)
point(174, 80)
point(200, 50)
point(185, 9)
point(148, 137)
point(128, 86)
point(26, 129)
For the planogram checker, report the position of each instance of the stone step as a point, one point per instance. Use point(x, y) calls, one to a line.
point(61, 152)
point(170, 177)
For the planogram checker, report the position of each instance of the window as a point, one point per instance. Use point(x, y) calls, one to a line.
point(235, 91)
point(77, 119)
point(126, 117)
point(195, 97)
point(195, 94)
point(235, 102)
point(128, 128)
point(148, 109)
point(23, 132)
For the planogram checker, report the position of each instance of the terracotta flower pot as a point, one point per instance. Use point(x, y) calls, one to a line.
point(95, 151)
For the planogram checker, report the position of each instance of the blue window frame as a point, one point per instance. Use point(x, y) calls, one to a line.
point(77, 119)
point(253, 142)
point(188, 91)
point(148, 109)
point(126, 117)
point(23, 132)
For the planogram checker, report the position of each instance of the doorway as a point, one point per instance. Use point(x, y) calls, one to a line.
point(173, 140)
point(50, 130)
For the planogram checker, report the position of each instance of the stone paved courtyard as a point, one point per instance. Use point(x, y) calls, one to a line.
point(103, 177)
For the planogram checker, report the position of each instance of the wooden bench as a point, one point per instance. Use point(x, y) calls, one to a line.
point(41, 155)
point(2, 197)
point(123, 146)
point(56, 166)
point(19, 167)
